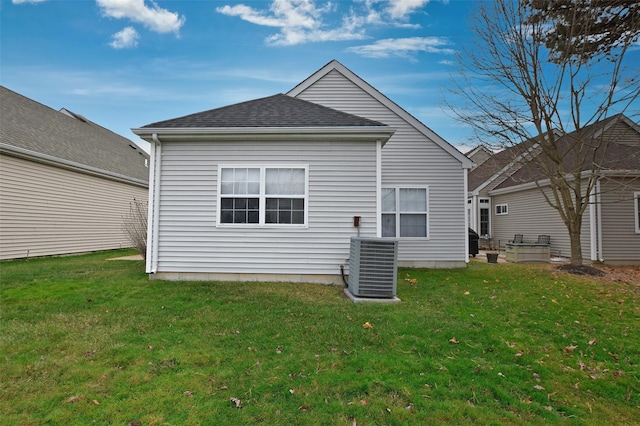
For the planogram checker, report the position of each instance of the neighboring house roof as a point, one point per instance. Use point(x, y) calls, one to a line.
point(493, 167)
point(506, 169)
point(35, 131)
point(273, 111)
point(479, 154)
point(372, 91)
point(613, 157)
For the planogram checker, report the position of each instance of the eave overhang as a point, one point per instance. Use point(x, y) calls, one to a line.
point(234, 134)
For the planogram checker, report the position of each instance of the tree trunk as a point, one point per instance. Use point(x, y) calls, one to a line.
point(576, 246)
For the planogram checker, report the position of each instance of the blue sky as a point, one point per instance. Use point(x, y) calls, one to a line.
point(127, 63)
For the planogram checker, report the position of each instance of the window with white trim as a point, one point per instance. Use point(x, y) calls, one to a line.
point(485, 213)
point(405, 212)
point(636, 204)
point(262, 195)
point(502, 209)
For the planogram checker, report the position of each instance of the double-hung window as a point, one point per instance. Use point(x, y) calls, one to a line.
point(405, 212)
point(263, 195)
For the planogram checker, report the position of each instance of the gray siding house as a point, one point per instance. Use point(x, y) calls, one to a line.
point(65, 182)
point(506, 200)
point(269, 189)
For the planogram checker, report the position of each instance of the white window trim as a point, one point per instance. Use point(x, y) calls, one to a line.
point(398, 213)
point(484, 203)
point(636, 210)
point(504, 209)
point(261, 223)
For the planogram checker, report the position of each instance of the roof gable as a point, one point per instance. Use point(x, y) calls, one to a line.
point(273, 111)
point(479, 154)
point(334, 65)
point(34, 130)
point(493, 169)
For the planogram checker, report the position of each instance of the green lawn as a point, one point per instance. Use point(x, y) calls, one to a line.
point(88, 340)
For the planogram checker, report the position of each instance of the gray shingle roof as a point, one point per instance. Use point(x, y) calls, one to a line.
point(273, 111)
point(615, 157)
point(29, 125)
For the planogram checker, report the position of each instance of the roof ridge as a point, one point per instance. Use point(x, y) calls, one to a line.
point(279, 110)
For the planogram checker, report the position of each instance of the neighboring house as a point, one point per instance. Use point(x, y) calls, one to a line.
point(270, 189)
point(65, 182)
point(504, 200)
point(479, 155)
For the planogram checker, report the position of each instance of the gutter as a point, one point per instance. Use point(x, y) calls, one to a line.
point(187, 134)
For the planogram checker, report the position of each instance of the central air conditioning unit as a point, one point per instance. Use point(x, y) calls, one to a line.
point(373, 267)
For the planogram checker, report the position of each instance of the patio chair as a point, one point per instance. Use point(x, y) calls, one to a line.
point(517, 239)
point(544, 239)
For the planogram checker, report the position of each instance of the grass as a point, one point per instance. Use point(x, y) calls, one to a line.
point(89, 340)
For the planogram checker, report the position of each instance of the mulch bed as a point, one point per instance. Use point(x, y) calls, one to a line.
point(581, 270)
point(618, 274)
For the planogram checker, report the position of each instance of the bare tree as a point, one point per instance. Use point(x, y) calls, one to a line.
point(134, 226)
point(582, 29)
point(515, 89)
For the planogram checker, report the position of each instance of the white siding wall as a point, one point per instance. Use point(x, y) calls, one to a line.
point(530, 215)
point(342, 184)
point(46, 210)
point(620, 243)
point(409, 159)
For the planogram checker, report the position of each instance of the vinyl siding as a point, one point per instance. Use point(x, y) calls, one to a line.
point(620, 243)
point(408, 159)
point(342, 184)
point(46, 210)
point(623, 134)
point(530, 215)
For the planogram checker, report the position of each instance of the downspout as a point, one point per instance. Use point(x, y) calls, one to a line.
point(593, 224)
point(599, 210)
point(379, 189)
point(154, 221)
point(466, 215)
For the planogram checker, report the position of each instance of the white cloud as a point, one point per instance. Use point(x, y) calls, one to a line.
point(403, 47)
point(27, 1)
point(446, 62)
point(126, 38)
point(299, 21)
point(304, 21)
point(153, 16)
point(401, 9)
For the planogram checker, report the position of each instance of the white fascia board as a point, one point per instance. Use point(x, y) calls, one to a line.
point(69, 165)
point(398, 110)
point(355, 133)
